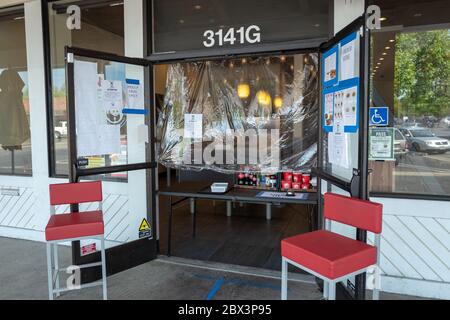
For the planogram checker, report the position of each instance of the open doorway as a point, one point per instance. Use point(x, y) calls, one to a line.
point(240, 95)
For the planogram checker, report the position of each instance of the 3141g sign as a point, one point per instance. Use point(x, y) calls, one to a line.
point(231, 36)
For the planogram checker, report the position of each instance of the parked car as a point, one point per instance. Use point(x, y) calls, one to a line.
point(424, 140)
point(400, 146)
point(61, 130)
point(446, 121)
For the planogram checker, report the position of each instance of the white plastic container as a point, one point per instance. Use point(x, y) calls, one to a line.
point(219, 187)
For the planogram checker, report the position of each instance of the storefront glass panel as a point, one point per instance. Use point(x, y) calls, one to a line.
point(15, 138)
point(102, 29)
point(411, 77)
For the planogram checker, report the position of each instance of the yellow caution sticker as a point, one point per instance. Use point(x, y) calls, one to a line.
point(144, 229)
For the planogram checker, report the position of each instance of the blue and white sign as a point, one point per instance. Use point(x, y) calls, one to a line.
point(379, 116)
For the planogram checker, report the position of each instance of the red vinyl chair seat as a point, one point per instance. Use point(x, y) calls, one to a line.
point(74, 225)
point(329, 254)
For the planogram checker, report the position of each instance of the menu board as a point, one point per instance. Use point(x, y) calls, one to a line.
point(341, 105)
point(340, 86)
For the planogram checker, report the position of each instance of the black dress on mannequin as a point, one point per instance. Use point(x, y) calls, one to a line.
point(14, 126)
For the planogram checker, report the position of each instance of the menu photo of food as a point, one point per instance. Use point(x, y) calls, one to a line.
point(329, 109)
point(338, 106)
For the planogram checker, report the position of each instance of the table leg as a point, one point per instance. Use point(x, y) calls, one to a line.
point(228, 208)
point(194, 216)
point(169, 233)
point(268, 211)
point(192, 205)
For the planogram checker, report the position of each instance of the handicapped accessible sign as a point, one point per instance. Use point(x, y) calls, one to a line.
point(379, 116)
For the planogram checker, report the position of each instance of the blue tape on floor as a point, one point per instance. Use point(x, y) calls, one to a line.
point(215, 288)
point(219, 282)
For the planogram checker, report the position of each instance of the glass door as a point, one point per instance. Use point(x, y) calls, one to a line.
point(111, 135)
point(342, 154)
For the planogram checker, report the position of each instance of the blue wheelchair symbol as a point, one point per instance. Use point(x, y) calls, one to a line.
point(379, 116)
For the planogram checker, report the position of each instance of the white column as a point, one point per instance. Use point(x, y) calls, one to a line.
point(38, 118)
point(345, 11)
point(137, 184)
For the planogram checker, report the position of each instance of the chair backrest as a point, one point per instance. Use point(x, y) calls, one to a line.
point(72, 193)
point(362, 214)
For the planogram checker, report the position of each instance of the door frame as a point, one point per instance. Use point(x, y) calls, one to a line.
point(358, 186)
point(118, 258)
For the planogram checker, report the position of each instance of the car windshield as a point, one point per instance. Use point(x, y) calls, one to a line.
point(422, 133)
point(398, 135)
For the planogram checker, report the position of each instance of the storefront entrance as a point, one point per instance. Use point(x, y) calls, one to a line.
point(314, 96)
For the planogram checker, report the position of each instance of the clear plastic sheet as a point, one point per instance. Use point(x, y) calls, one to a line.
point(273, 97)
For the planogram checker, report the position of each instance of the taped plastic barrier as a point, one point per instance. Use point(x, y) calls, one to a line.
point(253, 114)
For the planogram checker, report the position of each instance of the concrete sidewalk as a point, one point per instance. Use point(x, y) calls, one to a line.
point(23, 275)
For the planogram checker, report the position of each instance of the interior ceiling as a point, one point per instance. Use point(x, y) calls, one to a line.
point(106, 15)
point(403, 14)
point(111, 18)
point(414, 12)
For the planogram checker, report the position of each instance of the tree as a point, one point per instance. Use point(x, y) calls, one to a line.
point(422, 73)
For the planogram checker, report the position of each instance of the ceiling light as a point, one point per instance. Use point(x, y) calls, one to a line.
point(263, 98)
point(387, 48)
point(197, 7)
point(181, 21)
point(283, 58)
point(416, 15)
point(116, 4)
point(244, 61)
point(19, 18)
point(383, 19)
point(278, 102)
point(378, 63)
point(243, 90)
point(391, 40)
point(384, 53)
point(381, 59)
point(316, 25)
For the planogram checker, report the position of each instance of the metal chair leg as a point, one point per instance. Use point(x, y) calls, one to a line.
point(284, 278)
point(332, 291)
point(50, 271)
point(56, 264)
point(104, 283)
point(376, 286)
point(326, 289)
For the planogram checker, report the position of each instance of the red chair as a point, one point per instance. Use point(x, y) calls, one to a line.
point(331, 256)
point(74, 226)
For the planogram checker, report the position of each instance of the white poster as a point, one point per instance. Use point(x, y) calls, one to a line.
point(86, 106)
point(193, 126)
point(347, 63)
point(135, 94)
point(338, 149)
point(95, 134)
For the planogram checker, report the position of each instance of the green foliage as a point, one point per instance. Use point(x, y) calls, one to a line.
point(422, 73)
